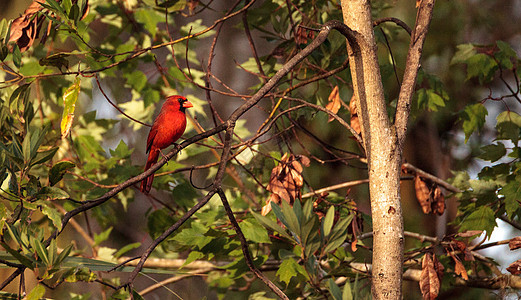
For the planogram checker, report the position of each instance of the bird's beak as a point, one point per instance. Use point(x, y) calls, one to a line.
point(187, 104)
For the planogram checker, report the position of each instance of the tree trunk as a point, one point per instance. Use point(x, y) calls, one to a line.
point(383, 154)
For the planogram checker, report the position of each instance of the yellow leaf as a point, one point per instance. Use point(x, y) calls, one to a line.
point(69, 104)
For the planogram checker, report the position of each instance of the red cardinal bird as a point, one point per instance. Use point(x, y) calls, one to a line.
point(166, 130)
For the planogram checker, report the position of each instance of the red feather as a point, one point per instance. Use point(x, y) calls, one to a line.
point(168, 127)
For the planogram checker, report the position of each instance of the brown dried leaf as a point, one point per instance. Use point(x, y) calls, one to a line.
point(304, 160)
point(515, 267)
point(422, 194)
point(302, 35)
point(515, 243)
point(267, 208)
point(438, 205)
point(459, 268)
point(334, 103)
point(354, 227)
point(438, 267)
point(352, 106)
point(24, 29)
point(296, 166)
point(277, 186)
point(429, 279)
point(285, 181)
point(462, 246)
point(355, 123)
point(353, 245)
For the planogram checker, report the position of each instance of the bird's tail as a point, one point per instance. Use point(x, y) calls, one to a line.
point(146, 184)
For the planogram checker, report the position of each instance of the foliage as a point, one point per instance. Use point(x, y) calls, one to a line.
point(63, 148)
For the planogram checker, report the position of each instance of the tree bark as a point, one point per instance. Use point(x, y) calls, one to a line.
point(383, 154)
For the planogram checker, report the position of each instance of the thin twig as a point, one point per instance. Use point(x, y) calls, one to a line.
point(115, 106)
point(245, 249)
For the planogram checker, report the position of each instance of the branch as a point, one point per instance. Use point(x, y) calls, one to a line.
point(395, 21)
point(335, 187)
point(173, 279)
point(493, 283)
point(229, 126)
point(451, 188)
point(165, 234)
point(246, 250)
point(412, 65)
point(435, 179)
point(114, 104)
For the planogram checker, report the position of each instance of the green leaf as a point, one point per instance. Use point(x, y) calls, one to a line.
point(267, 222)
point(4, 51)
point(53, 215)
point(57, 171)
point(347, 294)
point(473, 118)
point(21, 92)
point(55, 6)
point(4, 28)
point(512, 193)
point(259, 296)
point(508, 126)
point(63, 255)
point(122, 150)
point(51, 193)
point(9, 296)
point(103, 236)
point(136, 295)
point(506, 55)
point(327, 222)
point(149, 18)
point(137, 80)
point(493, 152)
point(37, 137)
point(24, 260)
point(57, 60)
point(481, 66)
point(289, 269)
point(172, 5)
point(334, 289)
point(80, 274)
point(40, 250)
point(461, 180)
point(74, 13)
point(254, 232)
point(43, 156)
point(69, 105)
point(482, 218)
point(278, 212)
point(37, 293)
point(435, 100)
point(293, 222)
point(309, 237)
point(464, 52)
point(338, 235)
point(192, 256)
point(194, 236)
point(17, 56)
point(150, 96)
point(126, 248)
point(429, 99)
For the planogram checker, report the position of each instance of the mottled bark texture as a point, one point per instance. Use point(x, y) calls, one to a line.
point(383, 140)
